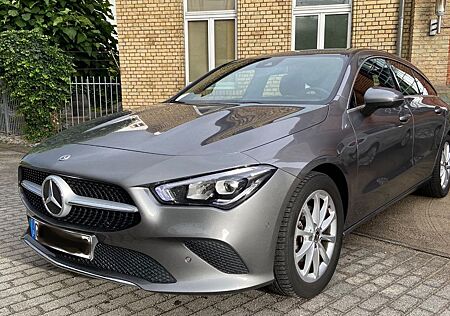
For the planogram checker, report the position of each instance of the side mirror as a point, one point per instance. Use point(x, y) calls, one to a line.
point(380, 98)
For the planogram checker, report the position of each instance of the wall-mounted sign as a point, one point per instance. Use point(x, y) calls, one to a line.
point(434, 26)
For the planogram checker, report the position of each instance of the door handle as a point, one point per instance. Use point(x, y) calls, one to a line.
point(438, 110)
point(405, 118)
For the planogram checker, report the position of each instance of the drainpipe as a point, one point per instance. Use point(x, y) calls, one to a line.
point(440, 11)
point(401, 19)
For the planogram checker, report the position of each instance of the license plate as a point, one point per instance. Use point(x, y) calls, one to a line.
point(73, 243)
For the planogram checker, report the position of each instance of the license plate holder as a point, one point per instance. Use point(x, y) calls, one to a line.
point(70, 242)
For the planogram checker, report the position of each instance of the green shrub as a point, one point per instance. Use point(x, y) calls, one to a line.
point(81, 28)
point(37, 75)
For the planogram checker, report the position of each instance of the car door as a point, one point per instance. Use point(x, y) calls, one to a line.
point(384, 142)
point(429, 121)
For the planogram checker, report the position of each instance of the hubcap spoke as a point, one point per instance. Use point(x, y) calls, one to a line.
point(303, 250)
point(323, 254)
point(308, 217)
point(316, 262)
point(445, 166)
point(323, 211)
point(303, 233)
point(308, 260)
point(329, 238)
point(326, 223)
point(316, 210)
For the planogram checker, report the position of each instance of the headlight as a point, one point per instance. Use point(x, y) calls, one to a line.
point(223, 190)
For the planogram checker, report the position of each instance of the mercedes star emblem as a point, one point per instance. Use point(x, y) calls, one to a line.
point(55, 192)
point(64, 158)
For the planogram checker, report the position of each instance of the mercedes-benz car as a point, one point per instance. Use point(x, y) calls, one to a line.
point(249, 177)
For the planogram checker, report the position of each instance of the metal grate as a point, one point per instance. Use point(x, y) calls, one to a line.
point(80, 217)
point(218, 254)
point(91, 97)
point(109, 259)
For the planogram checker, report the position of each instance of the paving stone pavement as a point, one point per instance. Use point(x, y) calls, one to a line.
point(373, 278)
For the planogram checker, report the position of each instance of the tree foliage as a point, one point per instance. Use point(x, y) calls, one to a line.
point(37, 75)
point(79, 27)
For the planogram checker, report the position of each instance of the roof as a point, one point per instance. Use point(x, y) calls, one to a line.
point(346, 52)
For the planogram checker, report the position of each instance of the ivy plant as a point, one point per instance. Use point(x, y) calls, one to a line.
point(82, 28)
point(37, 75)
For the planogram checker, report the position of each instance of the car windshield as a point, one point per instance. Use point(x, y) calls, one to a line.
point(275, 80)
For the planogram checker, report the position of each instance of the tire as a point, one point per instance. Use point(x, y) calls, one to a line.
point(289, 279)
point(434, 187)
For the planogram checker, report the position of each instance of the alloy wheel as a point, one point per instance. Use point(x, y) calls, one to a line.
point(445, 166)
point(315, 236)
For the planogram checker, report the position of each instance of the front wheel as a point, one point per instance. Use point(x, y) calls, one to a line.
point(439, 184)
point(309, 239)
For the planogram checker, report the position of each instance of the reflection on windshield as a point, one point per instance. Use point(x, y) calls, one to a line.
point(284, 79)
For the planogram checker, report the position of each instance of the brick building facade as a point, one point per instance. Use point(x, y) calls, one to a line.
point(165, 44)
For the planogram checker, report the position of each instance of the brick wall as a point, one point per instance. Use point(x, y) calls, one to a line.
point(448, 67)
point(264, 27)
point(430, 53)
point(375, 24)
point(151, 45)
point(151, 39)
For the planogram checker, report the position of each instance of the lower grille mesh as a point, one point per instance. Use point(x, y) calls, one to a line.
point(218, 254)
point(123, 261)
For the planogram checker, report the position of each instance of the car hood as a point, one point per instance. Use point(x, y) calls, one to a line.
point(182, 129)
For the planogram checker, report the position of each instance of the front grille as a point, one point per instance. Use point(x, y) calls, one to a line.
point(82, 217)
point(123, 261)
point(88, 188)
point(218, 254)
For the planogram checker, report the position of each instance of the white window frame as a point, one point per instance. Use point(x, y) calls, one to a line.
point(321, 11)
point(210, 17)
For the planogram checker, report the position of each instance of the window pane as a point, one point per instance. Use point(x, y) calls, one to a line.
point(225, 41)
point(374, 73)
point(306, 32)
point(425, 87)
point(283, 79)
point(405, 78)
point(321, 2)
point(198, 49)
point(336, 31)
point(210, 5)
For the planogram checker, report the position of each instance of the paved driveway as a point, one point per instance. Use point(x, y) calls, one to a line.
point(373, 277)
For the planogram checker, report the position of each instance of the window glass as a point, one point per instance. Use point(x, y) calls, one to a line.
point(405, 78)
point(198, 49)
point(306, 32)
point(285, 79)
point(224, 41)
point(320, 2)
point(336, 30)
point(210, 5)
point(425, 88)
point(374, 73)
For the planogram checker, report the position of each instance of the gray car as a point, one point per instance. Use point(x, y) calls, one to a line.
point(247, 178)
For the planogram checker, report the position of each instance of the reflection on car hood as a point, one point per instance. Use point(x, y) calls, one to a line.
point(182, 129)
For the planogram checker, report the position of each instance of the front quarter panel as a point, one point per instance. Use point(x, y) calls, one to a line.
point(331, 142)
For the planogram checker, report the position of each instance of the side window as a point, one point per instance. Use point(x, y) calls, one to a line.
point(374, 73)
point(425, 88)
point(405, 78)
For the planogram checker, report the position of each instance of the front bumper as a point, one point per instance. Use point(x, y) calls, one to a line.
point(167, 234)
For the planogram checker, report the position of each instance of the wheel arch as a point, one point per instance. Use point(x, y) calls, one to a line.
point(337, 175)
